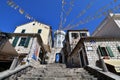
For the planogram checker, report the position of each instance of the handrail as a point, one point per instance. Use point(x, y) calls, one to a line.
point(100, 74)
point(19, 70)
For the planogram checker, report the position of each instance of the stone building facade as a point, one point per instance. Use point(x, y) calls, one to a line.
point(90, 50)
point(71, 39)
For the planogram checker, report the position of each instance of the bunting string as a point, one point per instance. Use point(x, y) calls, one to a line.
point(16, 7)
point(102, 12)
point(81, 13)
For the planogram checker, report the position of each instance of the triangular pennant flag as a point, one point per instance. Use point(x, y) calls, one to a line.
point(21, 11)
point(28, 16)
point(10, 3)
point(16, 7)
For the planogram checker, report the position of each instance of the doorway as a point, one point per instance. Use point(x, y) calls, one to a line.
point(58, 58)
point(83, 59)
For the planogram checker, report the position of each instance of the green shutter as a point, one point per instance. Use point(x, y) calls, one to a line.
point(118, 48)
point(15, 41)
point(101, 51)
point(110, 51)
point(27, 42)
point(80, 34)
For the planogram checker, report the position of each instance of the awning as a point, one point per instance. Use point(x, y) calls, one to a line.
point(114, 63)
point(8, 50)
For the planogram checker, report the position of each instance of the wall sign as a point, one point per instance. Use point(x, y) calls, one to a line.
point(89, 48)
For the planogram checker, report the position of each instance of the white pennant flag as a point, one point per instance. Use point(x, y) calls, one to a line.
point(28, 16)
point(16, 7)
point(9, 3)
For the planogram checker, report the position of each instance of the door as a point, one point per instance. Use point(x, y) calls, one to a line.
point(58, 58)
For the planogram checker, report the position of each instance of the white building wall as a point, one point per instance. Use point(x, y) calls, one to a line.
point(34, 50)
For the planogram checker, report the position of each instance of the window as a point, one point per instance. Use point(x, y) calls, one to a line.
point(75, 35)
point(33, 24)
point(59, 42)
point(23, 31)
point(103, 51)
point(39, 31)
point(22, 42)
point(83, 34)
point(106, 51)
point(27, 42)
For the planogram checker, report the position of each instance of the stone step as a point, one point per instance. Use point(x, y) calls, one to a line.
point(58, 76)
point(56, 65)
point(57, 72)
point(54, 78)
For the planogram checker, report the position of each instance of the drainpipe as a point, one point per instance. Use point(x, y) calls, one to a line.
point(104, 67)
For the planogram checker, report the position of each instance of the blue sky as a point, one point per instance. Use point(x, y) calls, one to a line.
point(49, 11)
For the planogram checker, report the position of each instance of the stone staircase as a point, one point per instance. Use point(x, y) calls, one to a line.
point(56, 71)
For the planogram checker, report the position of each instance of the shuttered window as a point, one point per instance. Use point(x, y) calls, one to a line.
point(22, 42)
point(15, 41)
point(100, 49)
point(103, 51)
point(110, 51)
point(27, 42)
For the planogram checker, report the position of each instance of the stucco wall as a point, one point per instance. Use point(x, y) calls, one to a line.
point(33, 27)
point(22, 49)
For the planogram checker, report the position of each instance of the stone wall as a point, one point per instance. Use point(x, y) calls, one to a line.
point(91, 49)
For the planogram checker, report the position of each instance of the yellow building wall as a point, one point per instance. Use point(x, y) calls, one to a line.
point(33, 27)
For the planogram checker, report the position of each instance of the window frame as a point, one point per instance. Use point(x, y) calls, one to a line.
point(39, 31)
point(21, 43)
point(75, 35)
point(81, 35)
